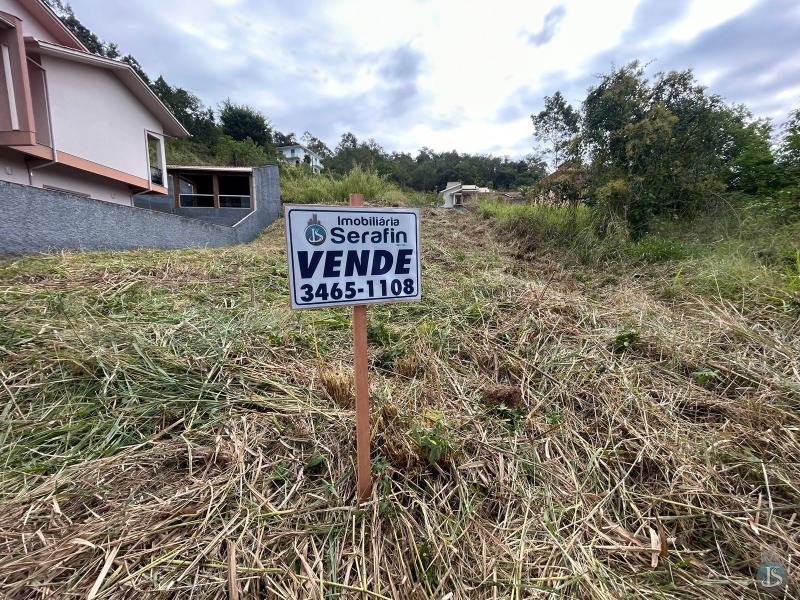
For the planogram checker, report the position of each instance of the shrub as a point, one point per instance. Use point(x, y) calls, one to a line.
point(433, 443)
point(567, 184)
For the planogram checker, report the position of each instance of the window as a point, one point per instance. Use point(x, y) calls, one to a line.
point(211, 190)
point(234, 191)
point(291, 152)
point(187, 186)
point(41, 111)
point(155, 158)
point(196, 190)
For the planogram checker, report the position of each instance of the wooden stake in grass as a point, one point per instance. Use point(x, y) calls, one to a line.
point(362, 388)
point(381, 265)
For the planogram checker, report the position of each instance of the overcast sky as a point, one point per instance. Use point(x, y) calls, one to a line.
point(447, 74)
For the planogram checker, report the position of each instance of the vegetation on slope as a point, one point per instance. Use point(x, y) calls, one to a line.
point(738, 253)
point(641, 150)
point(299, 185)
point(172, 428)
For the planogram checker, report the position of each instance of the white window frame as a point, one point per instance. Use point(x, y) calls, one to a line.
point(162, 158)
point(12, 96)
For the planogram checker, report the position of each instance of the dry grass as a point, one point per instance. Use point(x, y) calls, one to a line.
point(171, 429)
point(337, 384)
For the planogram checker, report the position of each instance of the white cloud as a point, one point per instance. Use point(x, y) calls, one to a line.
point(703, 16)
point(326, 66)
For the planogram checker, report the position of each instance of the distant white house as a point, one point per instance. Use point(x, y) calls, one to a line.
point(296, 155)
point(455, 193)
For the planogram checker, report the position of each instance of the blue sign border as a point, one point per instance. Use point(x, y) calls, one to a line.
point(374, 300)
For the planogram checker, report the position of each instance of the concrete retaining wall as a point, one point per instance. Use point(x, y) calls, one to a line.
point(34, 220)
point(220, 216)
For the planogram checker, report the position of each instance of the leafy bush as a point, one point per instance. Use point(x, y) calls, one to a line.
point(242, 122)
point(567, 184)
point(224, 152)
point(433, 443)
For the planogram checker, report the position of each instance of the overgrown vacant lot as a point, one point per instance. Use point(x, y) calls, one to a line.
point(171, 429)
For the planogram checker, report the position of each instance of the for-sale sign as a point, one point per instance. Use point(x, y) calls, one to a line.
point(340, 256)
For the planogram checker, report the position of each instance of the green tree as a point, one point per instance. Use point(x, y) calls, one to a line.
point(240, 122)
point(283, 139)
point(348, 142)
point(134, 64)
point(315, 144)
point(88, 38)
point(789, 150)
point(751, 166)
point(556, 126)
point(350, 153)
point(189, 110)
point(241, 153)
point(661, 147)
point(535, 167)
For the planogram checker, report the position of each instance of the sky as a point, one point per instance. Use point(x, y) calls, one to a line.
point(447, 74)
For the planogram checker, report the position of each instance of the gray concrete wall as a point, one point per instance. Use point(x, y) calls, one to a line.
point(220, 216)
point(158, 202)
point(34, 220)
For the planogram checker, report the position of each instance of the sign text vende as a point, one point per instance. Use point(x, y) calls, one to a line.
point(340, 256)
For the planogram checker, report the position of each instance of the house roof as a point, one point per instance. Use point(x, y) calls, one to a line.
point(299, 146)
point(127, 75)
point(451, 185)
point(209, 168)
point(50, 21)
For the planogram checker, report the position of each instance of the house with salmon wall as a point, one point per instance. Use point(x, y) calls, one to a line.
point(72, 121)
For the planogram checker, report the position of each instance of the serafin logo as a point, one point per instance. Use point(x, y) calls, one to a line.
point(315, 232)
point(772, 577)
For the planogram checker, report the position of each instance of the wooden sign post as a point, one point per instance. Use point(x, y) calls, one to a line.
point(360, 373)
point(340, 256)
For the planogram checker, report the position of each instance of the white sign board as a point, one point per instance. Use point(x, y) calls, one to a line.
point(341, 256)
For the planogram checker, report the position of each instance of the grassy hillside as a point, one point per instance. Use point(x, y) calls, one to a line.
point(541, 425)
point(737, 252)
point(301, 186)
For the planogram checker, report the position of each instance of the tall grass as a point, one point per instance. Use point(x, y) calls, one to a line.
point(741, 254)
point(299, 185)
point(736, 251)
point(542, 226)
